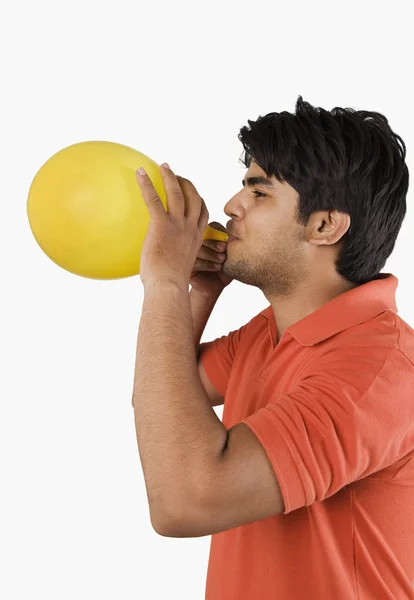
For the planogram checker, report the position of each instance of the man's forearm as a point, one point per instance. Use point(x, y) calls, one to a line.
point(201, 308)
point(178, 433)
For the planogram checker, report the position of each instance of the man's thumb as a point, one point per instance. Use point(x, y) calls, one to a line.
point(216, 225)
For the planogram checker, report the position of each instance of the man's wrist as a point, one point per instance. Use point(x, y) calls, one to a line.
point(163, 285)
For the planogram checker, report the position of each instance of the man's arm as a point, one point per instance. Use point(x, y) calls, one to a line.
point(241, 487)
point(178, 432)
point(201, 308)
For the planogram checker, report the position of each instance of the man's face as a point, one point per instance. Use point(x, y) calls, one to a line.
point(270, 253)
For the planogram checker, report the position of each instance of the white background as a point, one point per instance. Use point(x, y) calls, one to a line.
point(175, 80)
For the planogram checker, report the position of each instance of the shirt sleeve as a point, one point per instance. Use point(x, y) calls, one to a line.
point(351, 417)
point(218, 356)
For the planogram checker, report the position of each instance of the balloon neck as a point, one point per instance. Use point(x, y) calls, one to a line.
point(215, 234)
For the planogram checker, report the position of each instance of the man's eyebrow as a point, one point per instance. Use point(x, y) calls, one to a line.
point(251, 181)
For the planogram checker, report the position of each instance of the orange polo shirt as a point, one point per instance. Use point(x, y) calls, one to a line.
point(333, 406)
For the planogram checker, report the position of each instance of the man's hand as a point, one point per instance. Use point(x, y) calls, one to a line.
point(175, 236)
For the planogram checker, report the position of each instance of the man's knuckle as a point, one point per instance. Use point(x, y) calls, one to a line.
point(178, 194)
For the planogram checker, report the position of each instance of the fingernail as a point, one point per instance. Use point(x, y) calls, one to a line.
point(221, 246)
point(166, 166)
point(142, 171)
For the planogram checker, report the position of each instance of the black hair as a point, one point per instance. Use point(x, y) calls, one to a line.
point(346, 160)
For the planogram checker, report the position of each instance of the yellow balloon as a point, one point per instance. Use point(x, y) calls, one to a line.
point(87, 213)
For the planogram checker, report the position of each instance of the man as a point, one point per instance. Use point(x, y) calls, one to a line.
point(307, 485)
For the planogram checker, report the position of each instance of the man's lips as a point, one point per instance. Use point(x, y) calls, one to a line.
point(231, 235)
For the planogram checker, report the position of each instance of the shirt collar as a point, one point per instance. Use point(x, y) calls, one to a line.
point(345, 311)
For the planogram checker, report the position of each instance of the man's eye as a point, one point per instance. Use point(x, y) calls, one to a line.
point(259, 194)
